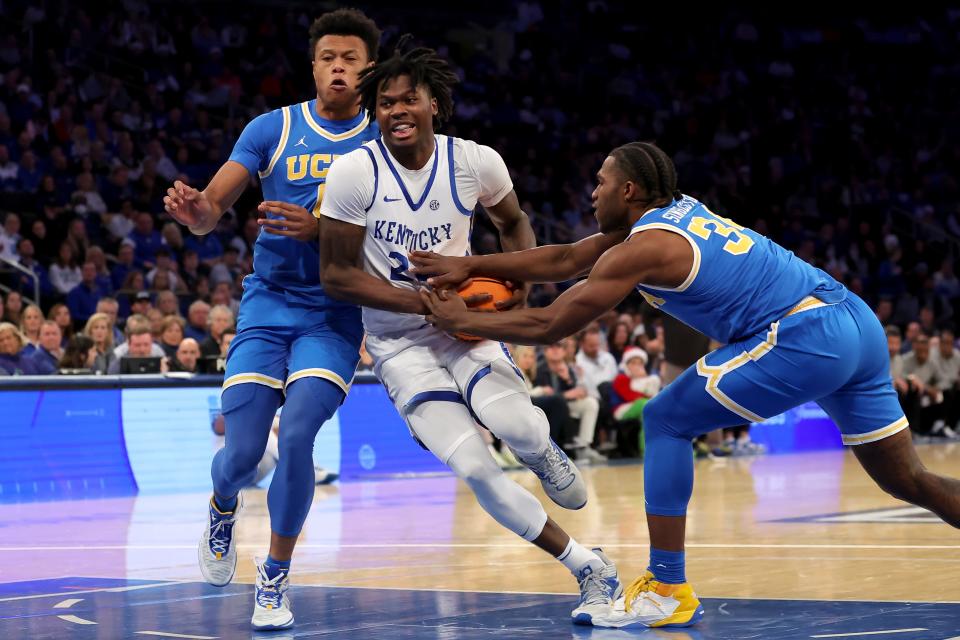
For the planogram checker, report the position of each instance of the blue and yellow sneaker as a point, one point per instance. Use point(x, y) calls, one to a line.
point(599, 590)
point(650, 603)
point(217, 551)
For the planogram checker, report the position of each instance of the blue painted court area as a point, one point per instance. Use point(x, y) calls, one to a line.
point(75, 608)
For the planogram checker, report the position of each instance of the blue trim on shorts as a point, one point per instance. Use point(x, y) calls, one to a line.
point(433, 396)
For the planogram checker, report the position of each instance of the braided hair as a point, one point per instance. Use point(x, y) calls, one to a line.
point(423, 65)
point(648, 165)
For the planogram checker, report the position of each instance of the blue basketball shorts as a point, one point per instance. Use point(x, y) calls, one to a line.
point(833, 354)
point(282, 338)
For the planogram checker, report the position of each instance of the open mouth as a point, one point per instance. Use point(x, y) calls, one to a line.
point(338, 85)
point(403, 130)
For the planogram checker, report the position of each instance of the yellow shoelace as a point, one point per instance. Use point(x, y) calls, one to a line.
point(638, 586)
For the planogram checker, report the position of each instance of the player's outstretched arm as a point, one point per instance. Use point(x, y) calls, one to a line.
point(550, 263)
point(201, 210)
point(610, 281)
point(343, 277)
point(659, 258)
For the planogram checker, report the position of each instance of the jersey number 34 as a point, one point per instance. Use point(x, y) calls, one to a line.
point(737, 243)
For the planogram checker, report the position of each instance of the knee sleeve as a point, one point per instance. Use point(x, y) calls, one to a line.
point(505, 409)
point(507, 502)
point(248, 411)
point(310, 403)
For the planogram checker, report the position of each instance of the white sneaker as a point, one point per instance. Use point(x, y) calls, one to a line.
point(599, 590)
point(560, 478)
point(271, 604)
point(649, 603)
point(217, 552)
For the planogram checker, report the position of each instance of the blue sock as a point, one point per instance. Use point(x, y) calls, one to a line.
point(667, 566)
point(225, 505)
point(273, 567)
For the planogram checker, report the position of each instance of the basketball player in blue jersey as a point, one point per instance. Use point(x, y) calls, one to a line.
point(414, 188)
point(294, 344)
point(793, 334)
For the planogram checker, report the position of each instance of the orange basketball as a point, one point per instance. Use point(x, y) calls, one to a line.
point(498, 292)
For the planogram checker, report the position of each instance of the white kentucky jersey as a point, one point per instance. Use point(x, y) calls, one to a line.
point(404, 210)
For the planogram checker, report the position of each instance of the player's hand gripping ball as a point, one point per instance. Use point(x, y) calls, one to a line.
point(495, 289)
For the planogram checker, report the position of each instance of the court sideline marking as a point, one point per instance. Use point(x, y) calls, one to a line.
point(479, 545)
point(104, 590)
point(868, 633)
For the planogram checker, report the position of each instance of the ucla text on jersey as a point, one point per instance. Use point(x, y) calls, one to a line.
point(727, 296)
point(291, 150)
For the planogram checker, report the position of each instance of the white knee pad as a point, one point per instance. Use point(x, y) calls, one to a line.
point(515, 420)
point(510, 504)
point(502, 381)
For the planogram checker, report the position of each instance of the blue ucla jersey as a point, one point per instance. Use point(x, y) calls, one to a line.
point(291, 150)
point(740, 282)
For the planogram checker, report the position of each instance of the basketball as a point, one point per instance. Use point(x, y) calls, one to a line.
point(498, 292)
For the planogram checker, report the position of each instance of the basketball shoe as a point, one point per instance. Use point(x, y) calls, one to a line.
point(650, 603)
point(271, 604)
point(599, 590)
point(217, 551)
point(560, 478)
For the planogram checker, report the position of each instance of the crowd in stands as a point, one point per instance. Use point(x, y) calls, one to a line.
point(783, 126)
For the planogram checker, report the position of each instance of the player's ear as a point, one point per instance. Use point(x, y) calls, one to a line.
point(433, 106)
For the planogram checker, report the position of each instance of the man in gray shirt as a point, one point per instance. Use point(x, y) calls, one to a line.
point(947, 360)
point(922, 373)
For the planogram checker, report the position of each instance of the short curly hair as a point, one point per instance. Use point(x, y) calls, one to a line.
point(346, 22)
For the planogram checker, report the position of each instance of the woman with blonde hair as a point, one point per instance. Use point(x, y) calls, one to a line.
point(13, 361)
point(30, 321)
point(99, 330)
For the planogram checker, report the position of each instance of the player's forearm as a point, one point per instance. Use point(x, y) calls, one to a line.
point(518, 236)
point(521, 326)
point(224, 190)
point(355, 285)
point(549, 263)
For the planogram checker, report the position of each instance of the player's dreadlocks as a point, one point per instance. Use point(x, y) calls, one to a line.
point(423, 65)
point(346, 22)
point(646, 164)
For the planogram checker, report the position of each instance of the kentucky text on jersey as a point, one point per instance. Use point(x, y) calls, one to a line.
point(291, 150)
point(740, 281)
point(403, 209)
point(413, 240)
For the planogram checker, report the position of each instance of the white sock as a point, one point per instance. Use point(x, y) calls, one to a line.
point(576, 556)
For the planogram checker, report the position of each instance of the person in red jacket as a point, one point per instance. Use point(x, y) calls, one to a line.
point(633, 386)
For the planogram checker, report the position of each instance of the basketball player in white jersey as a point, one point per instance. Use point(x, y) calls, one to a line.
point(413, 189)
